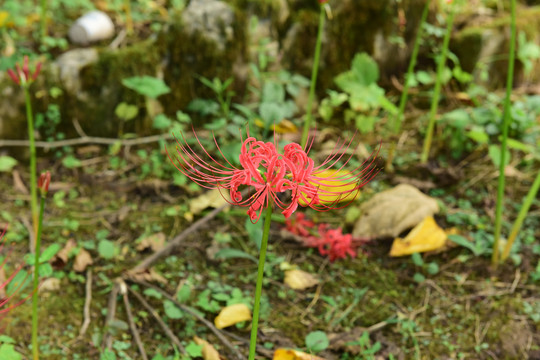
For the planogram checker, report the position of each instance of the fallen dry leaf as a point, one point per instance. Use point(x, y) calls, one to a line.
point(208, 351)
point(82, 260)
point(155, 242)
point(426, 236)
point(49, 285)
point(146, 275)
point(213, 198)
point(390, 212)
point(299, 279)
point(64, 253)
point(231, 315)
point(289, 354)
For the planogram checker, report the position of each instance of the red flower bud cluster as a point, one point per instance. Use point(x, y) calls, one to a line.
point(22, 74)
point(43, 183)
point(330, 242)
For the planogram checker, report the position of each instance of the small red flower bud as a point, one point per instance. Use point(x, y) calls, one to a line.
point(13, 76)
point(21, 75)
point(43, 183)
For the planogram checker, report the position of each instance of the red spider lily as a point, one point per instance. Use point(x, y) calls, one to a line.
point(270, 173)
point(300, 225)
point(332, 242)
point(22, 75)
point(4, 299)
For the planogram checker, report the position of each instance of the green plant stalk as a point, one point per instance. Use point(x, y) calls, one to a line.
point(314, 72)
point(129, 18)
point(506, 124)
point(438, 83)
point(531, 195)
point(258, 288)
point(398, 118)
point(33, 171)
point(43, 20)
point(35, 346)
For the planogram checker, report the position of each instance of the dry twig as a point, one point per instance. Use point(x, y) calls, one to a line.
point(111, 312)
point(161, 323)
point(87, 302)
point(187, 309)
point(131, 323)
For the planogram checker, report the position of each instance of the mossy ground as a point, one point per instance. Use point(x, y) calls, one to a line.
point(466, 311)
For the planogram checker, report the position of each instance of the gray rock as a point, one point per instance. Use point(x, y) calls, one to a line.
point(68, 66)
point(212, 18)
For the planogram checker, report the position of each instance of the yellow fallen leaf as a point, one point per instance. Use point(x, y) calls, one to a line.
point(299, 280)
point(213, 198)
point(289, 354)
point(155, 242)
point(426, 236)
point(208, 351)
point(344, 189)
point(4, 16)
point(231, 315)
point(284, 127)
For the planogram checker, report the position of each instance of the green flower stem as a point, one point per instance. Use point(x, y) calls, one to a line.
point(258, 288)
point(35, 346)
point(395, 125)
point(33, 171)
point(314, 72)
point(43, 20)
point(521, 216)
point(437, 91)
point(506, 123)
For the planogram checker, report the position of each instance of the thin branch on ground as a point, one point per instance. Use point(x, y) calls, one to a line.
point(161, 323)
point(85, 139)
point(146, 263)
point(111, 312)
point(131, 322)
point(87, 302)
point(190, 311)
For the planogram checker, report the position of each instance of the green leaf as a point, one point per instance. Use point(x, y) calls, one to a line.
point(432, 268)
point(365, 69)
point(479, 136)
point(126, 111)
point(147, 86)
point(106, 249)
point(494, 152)
point(229, 253)
point(6, 339)
point(8, 352)
point(183, 117)
point(71, 162)
point(317, 341)
point(424, 77)
point(184, 293)
point(194, 350)
point(107, 355)
point(171, 310)
point(273, 92)
point(48, 253)
point(217, 124)
point(417, 259)
point(365, 124)
point(161, 122)
point(460, 240)
point(419, 278)
point(7, 163)
point(152, 293)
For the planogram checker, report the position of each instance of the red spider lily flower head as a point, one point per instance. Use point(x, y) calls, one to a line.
point(43, 183)
point(6, 298)
point(300, 225)
point(269, 173)
point(332, 242)
point(22, 75)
